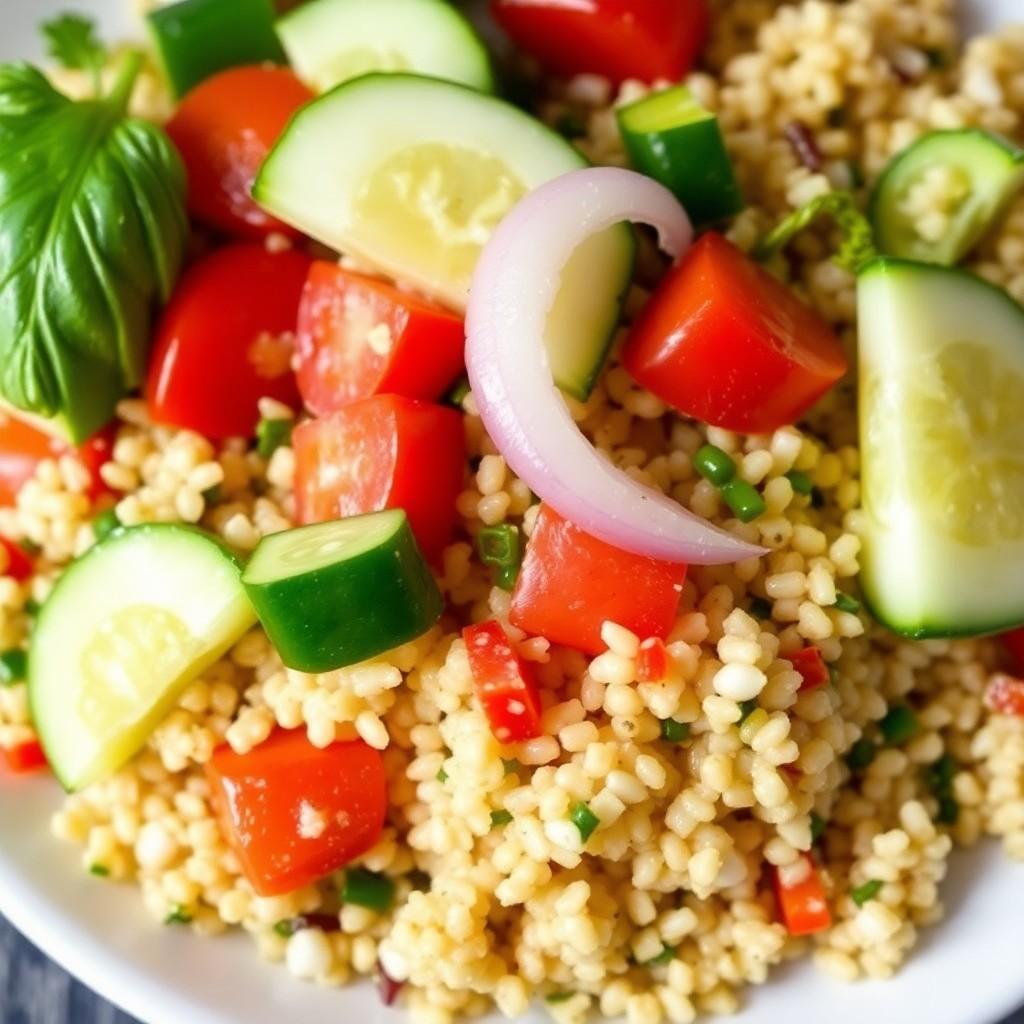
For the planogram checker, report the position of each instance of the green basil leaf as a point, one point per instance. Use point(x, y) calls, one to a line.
point(71, 40)
point(92, 235)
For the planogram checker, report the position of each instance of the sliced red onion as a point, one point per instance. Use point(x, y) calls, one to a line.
point(514, 287)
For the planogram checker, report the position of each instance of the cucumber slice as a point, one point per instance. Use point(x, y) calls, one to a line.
point(967, 176)
point(337, 593)
point(942, 450)
point(412, 175)
point(128, 625)
point(670, 137)
point(197, 38)
point(330, 41)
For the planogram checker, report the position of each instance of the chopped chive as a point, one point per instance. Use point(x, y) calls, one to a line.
point(585, 820)
point(673, 731)
point(457, 393)
point(861, 754)
point(744, 500)
point(499, 818)
point(273, 434)
point(13, 667)
point(105, 524)
point(178, 915)
point(368, 889)
point(511, 765)
point(938, 776)
point(833, 673)
point(949, 810)
point(761, 608)
point(559, 997)
point(868, 891)
point(442, 775)
point(817, 826)
point(714, 465)
point(500, 548)
point(667, 955)
point(571, 125)
point(286, 928)
point(800, 481)
point(213, 495)
point(99, 871)
point(747, 708)
point(899, 725)
point(30, 547)
point(31, 607)
point(845, 603)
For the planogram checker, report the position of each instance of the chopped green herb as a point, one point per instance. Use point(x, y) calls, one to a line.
point(499, 818)
point(213, 495)
point(442, 775)
point(500, 547)
point(105, 524)
point(571, 125)
point(13, 667)
point(368, 889)
point(585, 820)
point(30, 547)
point(31, 607)
point(800, 481)
point(899, 725)
point(868, 891)
point(744, 500)
point(949, 811)
point(99, 871)
point(747, 708)
point(861, 754)
point(817, 826)
point(667, 955)
point(845, 603)
point(833, 673)
point(559, 997)
point(71, 41)
point(714, 465)
point(673, 731)
point(511, 765)
point(286, 928)
point(855, 174)
point(761, 608)
point(178, 915)
point(938, 776)
point(457, 395)
point(273, 434)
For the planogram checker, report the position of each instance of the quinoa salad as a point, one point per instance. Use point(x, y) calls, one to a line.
point(410, 558)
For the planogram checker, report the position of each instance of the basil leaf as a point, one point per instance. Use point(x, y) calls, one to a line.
point(71, 40)
point(92, 234)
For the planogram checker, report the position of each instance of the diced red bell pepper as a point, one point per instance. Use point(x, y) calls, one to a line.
point(723, 341)
point(803, 907)
point(1005, 695)
point(808, 661)
point(571, 583)
point(504, 684)
point(16, 563)
point(25, 758)
point(383, 452)
point(359, 336)
point(294, 813)
point(1014, 644)
point(651, 661)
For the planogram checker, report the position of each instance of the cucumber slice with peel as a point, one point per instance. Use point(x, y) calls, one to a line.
point(942, 450)
point(125, 629)
point(337, 593)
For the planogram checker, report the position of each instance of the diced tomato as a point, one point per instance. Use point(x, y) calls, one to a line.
point(1014, 644)
point(570, 584)
point(1005, 695)
point(651, 661)
point(803, 907)
point(294, 813)
point(504, 684)
point(226, 340)
point(224, 128)
point(13, 561)
point(617, 39)
point(359, 336)
point(723, 341)
point(383, 452)
point(808, 661)
point(25, 758)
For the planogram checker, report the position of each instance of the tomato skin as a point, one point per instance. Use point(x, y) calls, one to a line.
point(25, 758)
point(224, 128)
point(723, 341)
point(18, 564)
point(652, 661)
point(803, 907)
point(218, 346)
point(259, 797)
point(618, 39)
point(504, 684)
point(337, 364)
point(1005, 695)
point(383, 452)
point(570, 584)
point(808, 661)
point(1014, 644)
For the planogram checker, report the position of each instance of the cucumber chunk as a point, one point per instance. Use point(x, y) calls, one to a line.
point(337, 593)
point(330, 41)
point(125, 629)
point(939, 197)
point(412, 175)
point(942, 450)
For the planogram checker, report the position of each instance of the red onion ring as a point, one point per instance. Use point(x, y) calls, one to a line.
point(514, 286)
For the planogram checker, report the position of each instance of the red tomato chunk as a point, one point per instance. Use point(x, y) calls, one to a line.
point(359, 336)
point(651, 661)
point(13, 561)
point(294, 813)
point(808, 661)
point(226, 340)
point(803, 907)
point(504, 684)
point(383, 452)
point(1005, 695)
point(723, 341)
point(617, 39)
point(224, 128)
point(25, 758)
point(570, 584)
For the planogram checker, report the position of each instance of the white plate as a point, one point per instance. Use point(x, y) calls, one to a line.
point(970, 970)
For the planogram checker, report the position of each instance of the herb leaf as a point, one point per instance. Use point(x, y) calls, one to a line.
point(92, 233)
point(71, 41)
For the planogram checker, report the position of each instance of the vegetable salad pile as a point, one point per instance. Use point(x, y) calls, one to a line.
point(411, 557)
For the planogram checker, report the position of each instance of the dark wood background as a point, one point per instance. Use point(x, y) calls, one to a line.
point(35, 991)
